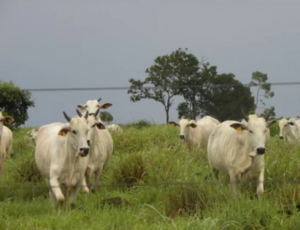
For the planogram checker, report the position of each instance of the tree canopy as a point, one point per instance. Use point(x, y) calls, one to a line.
point(106, 116)
point(162, 81)
point(205, 91)
point(15, 101)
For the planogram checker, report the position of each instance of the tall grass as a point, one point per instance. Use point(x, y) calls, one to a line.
point(153, 181)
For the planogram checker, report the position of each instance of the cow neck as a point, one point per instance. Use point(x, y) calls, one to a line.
point(71, 160)
point(95, 138)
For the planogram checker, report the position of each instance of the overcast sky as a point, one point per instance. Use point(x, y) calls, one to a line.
point(102, 43)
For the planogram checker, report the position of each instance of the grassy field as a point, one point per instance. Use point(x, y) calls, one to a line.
point(163, 188)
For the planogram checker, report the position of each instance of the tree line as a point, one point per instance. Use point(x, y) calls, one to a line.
point(204, 90)
point(180, 73)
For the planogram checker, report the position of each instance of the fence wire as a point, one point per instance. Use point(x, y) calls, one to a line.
point(145, 87)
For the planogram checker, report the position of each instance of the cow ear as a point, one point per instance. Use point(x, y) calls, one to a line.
point(81, 107)
point(100, 125)
point(269, 123)
point(238, 127)
point(64, 131)
point(8, 120)
point(105, 105)
point(193, 125)
point(173, 123)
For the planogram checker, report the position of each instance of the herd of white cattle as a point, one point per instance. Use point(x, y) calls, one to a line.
point(68, 154)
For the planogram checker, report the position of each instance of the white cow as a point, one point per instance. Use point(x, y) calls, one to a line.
point(238, 149)
point(5, 139)
point(115, 128)
point(196, 133)
point(282, 123)
point(92, 105)
point(61, 155)
point(291, 131)
point(101, 148)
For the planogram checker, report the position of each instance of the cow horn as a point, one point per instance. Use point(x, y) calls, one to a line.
point(66, 116)
point(86, 114)
point(99, 99)
point(79, 113)
point(245, 116)
point(96, 114)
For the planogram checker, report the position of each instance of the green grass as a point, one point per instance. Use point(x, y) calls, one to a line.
point(146, 159)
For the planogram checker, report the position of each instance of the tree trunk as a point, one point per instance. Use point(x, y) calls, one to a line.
point(167, 115)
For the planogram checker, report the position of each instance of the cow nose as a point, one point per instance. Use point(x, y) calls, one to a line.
point(84, 151)
point(89, 142)
point(181, 136)
point(281, 137)
point(260, 150)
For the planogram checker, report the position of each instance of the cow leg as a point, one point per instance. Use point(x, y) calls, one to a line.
point(73, 195)
point(97, 178)
point(260, 185)
point(87, 177)
point(65, 192)
point(57, 191)
point(234, 183)
point(84, 186)
point(52, 196)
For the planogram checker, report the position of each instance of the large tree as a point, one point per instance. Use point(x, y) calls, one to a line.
point(193, 89)
point(263, 88)
point(225, 97)
point(162, 82)
point(15, 101)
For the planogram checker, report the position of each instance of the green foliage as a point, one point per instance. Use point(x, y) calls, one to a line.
point(106, 116)
point(177, 196)
point(15, 101)
point(139, 124)
point(225, 97)
point(163, 78)
point(260, 81)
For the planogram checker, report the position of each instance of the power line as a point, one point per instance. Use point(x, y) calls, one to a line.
point(146, 87)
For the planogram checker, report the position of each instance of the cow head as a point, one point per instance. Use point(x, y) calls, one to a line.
point(93, 105)
point(185, 127)
point(256, 128)
point(76, 133)
point(4, 120)
point(93, 124)
point(282, 124)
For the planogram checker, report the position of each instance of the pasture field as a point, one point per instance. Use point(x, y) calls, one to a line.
point(158, 184)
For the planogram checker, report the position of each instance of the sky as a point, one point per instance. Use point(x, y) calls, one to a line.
point(102, 43)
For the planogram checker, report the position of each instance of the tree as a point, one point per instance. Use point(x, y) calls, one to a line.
point(15, 101)
point(194, 89)
point(106, 116)
point(162, 82)
point(260, 81)
point(225, 97)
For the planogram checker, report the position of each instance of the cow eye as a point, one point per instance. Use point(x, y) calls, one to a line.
point(250, 131)
point(265, 131)
point(74, 131)
point(1, 120)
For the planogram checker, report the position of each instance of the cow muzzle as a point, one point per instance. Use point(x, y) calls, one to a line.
point(280, 137)
point(260, 151)
point(83, 152)
point(181, 136)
